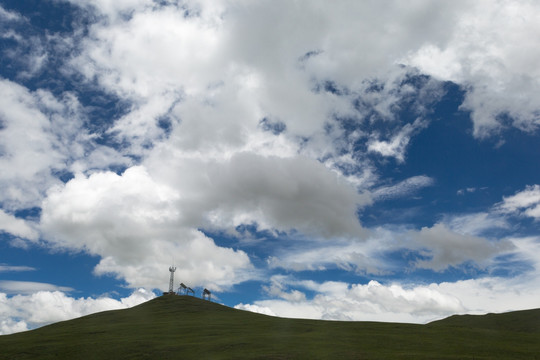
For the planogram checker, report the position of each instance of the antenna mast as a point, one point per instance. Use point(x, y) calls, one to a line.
point(172, 269)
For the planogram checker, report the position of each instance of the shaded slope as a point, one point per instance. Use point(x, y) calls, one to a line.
point(182, 327)
point(527, 321)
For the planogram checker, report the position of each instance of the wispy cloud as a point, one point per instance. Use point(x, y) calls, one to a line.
point(15, 268)
point(9, 15)
point(526, 203)
point(405, 188)
point(29, 287)
point(397, 144)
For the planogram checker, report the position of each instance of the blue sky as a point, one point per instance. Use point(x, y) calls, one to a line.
point(366, 161)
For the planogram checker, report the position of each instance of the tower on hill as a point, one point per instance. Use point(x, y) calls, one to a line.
point(172, 269)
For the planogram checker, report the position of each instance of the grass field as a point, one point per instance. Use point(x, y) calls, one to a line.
point(184, 327)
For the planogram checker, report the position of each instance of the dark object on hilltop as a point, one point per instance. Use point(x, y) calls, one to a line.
point(185, 290)
point(207, 294)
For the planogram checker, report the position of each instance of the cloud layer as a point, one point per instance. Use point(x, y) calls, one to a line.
point(155, 131)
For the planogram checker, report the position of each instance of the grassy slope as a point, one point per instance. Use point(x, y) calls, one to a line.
point(182, 327)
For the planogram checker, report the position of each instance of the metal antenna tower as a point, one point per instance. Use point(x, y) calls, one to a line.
point(172, 269)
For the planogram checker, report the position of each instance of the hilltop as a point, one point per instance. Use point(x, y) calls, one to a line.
point(184, 327)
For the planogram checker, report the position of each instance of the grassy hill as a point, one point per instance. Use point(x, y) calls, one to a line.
point(184, 327)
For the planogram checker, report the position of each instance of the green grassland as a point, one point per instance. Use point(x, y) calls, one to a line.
point(184, 327)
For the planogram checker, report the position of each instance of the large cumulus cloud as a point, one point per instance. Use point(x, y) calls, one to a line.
point(138, 223)
point(134, 225)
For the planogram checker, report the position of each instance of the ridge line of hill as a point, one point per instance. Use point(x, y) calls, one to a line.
point(185, 327)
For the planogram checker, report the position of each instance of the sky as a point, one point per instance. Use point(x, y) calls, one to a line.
point(344, 160)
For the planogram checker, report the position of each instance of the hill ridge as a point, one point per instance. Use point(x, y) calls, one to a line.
point(185, 327)
point(519, 321)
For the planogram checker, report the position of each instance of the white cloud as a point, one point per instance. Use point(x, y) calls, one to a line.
point(350, 255)
point(476, 223)
point(154, 57)
point(500, 294)
point(134, 224)
point(369, 302)
point(137, 222)
point(397, 145)
point(114, 8)
point(467, 190)
point(23, 312)
point(277, 192)
point(25, 138)
point(9, 15)
point(15, 268)
point(276, 289)
point(40, 135)
point(255, 309)
point(491, 52)
point(29, 287)
point(402, 301)
point(17, 227)
point(182, 60)
point(526, 202)
point(30, 54)
point(214, 78)
point(10, 326)
point(452, 243)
